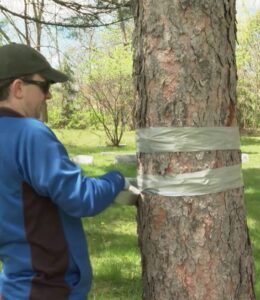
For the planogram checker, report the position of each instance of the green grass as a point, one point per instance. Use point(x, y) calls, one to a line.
point(112, 234)
point(114, 254)
point(251, 173)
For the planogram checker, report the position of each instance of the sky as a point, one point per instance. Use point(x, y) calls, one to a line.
point(250, 4)
point(244, 7)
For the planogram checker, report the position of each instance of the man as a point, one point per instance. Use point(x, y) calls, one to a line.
point(42, 193)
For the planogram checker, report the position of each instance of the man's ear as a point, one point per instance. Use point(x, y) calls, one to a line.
point(17, 88)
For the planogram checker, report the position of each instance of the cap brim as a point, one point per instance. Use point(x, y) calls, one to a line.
point(54, 75)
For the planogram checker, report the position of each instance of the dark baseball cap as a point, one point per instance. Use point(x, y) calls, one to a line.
point(18, 60)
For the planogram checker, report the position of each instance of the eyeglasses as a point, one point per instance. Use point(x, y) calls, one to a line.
point(43, 85)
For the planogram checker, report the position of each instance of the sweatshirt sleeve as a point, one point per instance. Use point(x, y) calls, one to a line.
point(44, 164)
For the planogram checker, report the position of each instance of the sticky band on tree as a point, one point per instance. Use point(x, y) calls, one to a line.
point(186, 139)
point(189, 139)
point(204, 182)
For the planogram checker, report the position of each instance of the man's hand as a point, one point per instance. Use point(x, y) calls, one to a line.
point(129, 195)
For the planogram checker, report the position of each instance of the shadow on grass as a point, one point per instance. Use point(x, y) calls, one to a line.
point(252, 179)
point(74, 149)
point(128, 170)
point(250, 152)
point(252, 191)
point(114, 231)
point(250, 141)
point(252, 199)
point(118, 244)
point(115, 286)
point(114, 253)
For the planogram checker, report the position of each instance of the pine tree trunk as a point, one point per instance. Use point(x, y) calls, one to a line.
point(185, 75)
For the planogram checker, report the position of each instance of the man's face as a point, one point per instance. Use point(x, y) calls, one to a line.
point(34, 97)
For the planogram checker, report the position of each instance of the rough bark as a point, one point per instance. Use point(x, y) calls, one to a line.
point(185, 75)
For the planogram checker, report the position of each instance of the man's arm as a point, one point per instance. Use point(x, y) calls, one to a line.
point(45, 165)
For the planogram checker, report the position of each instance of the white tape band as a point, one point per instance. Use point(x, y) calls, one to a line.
point(186, 139)
point(189, 139)
point(191, 184)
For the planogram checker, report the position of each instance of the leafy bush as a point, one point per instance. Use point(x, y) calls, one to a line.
point(107, 87)
point(79, 119)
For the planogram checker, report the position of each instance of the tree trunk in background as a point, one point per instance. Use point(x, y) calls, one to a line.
point(38, 9)
point(185, 75)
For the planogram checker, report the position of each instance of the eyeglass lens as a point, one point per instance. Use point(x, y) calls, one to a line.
point(43, 85)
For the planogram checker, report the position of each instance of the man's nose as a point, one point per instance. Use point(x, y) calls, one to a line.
point(48, 96)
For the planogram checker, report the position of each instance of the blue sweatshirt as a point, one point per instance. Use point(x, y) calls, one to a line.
point(43, 195)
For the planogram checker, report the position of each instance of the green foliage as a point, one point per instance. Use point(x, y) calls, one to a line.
point(78, 119)
point(248, 58)
point(112, 58)
point(68, 108)
point(2, 31)
point(101, 94)
point(107, 86)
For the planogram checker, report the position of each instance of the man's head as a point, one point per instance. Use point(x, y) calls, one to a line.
point(25, 73)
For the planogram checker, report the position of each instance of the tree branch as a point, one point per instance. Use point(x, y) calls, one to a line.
point(61, 24)
point(19, 32)
point(5, 35)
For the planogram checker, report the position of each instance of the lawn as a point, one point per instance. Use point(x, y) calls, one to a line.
point(112, 234)
point(251, 173)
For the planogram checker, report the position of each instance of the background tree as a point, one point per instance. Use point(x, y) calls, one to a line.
point(73, 14)
point(3, 36)
point(30, 20)
point(194, 247)
point(26, 32)
point(108, 85)
point(66, 105)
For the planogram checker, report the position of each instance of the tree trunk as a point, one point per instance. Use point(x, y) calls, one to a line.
point(185, 75)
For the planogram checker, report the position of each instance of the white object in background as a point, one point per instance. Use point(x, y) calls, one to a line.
point(244, 157)
point(83, 159)
point(125, 158)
